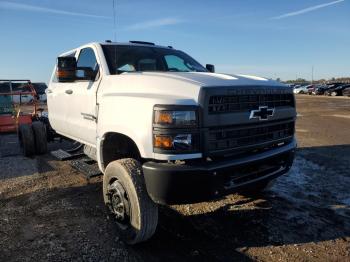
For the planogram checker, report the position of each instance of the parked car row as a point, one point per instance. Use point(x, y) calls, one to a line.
point(332, 89)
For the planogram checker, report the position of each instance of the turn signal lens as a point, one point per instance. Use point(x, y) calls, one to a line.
point(64, 73)
point(165, 142)
point(163, 117)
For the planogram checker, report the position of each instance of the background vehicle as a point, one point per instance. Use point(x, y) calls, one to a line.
point(346, 91)
point(166, 130)
point(40, 90)
point(300, 90)
point(310, 89)
point(335, 90)
point(319, 90)
point(16, 116)
point(21, 90)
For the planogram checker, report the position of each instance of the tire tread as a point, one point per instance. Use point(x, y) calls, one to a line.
point(26, 138)
point(148, 209)
point(40, 137)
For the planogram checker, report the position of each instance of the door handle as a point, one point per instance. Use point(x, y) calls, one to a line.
point(48, 91)
point(69, 91)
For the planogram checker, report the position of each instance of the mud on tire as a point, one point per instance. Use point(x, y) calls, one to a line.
point(123, 180)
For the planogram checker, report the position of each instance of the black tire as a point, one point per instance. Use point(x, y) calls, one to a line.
point(40, 137)
point(141, 213)
point(26, 139)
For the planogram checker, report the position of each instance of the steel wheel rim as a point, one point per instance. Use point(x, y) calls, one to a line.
point(119, 204)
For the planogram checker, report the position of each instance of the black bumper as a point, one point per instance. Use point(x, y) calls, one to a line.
point(169, 183)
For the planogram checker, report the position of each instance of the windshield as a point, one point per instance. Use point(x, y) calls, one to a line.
point(126, 58)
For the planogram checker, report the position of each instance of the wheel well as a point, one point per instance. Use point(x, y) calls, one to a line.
point(117, 146)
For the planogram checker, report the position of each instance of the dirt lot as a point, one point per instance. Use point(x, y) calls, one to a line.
point(50, 212)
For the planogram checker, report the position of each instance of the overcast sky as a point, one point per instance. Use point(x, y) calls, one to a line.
point(270, 38)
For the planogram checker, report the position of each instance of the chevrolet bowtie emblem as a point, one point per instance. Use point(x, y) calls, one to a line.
point(263, 113)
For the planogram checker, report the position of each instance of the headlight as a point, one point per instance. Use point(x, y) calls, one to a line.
point(175, 129)
point(176, 143)
point(175, 116)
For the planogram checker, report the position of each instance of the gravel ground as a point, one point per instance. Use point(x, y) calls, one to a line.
point(49, 212)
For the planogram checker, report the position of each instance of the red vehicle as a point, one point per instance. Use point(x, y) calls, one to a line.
point(19, 113)
point(12, 113)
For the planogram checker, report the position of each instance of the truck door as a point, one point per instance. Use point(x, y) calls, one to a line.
point(56, 101)
point(81, 100)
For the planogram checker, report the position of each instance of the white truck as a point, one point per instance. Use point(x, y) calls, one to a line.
point(166, 130)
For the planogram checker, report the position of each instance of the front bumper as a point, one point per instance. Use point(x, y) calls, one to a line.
point(169, 183)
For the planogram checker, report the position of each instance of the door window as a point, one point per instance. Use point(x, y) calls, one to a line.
point(87, 58)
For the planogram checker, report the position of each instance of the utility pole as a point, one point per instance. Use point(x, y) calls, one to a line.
point(312, 75)
point(114, 20)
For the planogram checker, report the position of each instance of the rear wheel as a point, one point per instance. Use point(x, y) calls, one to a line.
point(40, 137)
point(26, 139)
point(334, 94)
point(126, 197)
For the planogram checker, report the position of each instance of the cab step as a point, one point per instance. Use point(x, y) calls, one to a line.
point(87, 166)
point(64, 155)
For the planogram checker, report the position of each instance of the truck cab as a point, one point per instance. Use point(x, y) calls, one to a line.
point(166, 130)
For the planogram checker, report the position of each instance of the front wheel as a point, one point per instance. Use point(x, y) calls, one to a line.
point(126, 197)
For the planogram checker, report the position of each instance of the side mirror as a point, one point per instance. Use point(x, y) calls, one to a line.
point(210, 68)
point(66, 69)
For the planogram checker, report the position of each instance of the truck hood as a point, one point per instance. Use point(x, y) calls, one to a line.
point(171, 87)
point(215, 79)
